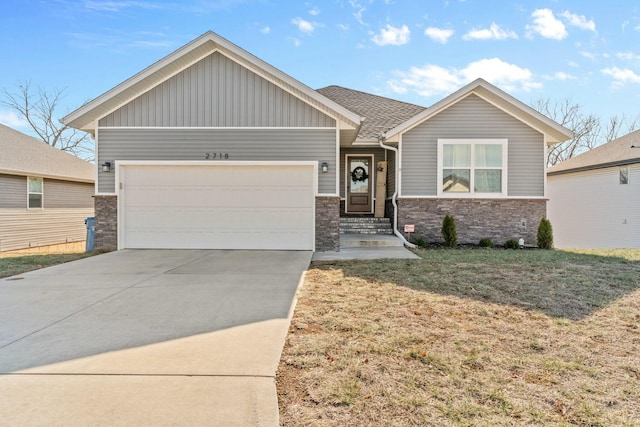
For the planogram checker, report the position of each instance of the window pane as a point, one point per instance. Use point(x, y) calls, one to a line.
point(456, 180)
point(624, 175)
point(35, 185)
point(35, 200)
point(488, 156)
point(456, 155)
point(487, 181)
point(359, 176)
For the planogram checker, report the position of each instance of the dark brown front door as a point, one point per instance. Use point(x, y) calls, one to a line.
point(358, 179)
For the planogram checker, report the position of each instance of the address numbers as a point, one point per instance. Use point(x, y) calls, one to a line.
point(216, 156)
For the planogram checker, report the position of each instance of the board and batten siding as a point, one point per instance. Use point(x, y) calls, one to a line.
point(472, 117)
point(591, 209)
point(22, 228)
point(266, 144)
point(217, 92)
point(13, 191)
point(377, 152)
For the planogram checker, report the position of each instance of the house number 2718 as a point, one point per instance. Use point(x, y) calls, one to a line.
point(216, 156)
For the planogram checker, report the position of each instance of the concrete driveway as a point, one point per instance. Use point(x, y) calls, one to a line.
point(147, 337)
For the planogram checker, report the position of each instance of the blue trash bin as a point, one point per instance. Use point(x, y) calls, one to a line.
point(91, 232)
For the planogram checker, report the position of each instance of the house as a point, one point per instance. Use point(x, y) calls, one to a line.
point(211, 147)
point(595, 196)
point(45, 195)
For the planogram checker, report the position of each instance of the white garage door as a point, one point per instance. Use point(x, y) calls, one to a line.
point(222, 206)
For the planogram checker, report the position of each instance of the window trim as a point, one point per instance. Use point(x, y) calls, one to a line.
point(473, 142)
point(41, 193)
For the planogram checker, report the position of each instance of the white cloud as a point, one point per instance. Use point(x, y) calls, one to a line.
point(392, 36)
point(304, 25)
point(620, 76)
point(358, 10)
point(561, 75)
point(573, 64)
point(494, 32)
point(296, 42)
point(117, 6)
point(629, 56)
point(314, 11)
point(433, 80)
point(265, 30)
point(546, 25)
point(11, 119)
point(579, 21)
point(440, 35)
point(588, 55)
point(344, 27)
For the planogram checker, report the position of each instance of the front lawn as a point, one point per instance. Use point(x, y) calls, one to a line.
point(11, 265)
point(466, 337)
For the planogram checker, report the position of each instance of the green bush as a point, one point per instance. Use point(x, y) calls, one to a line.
point(545, 234)
point(449, 231)
point(511, 244)
point(486, 243)
point(420, 241)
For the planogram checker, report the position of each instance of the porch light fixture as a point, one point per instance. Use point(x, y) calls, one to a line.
point(106, 167)
point(325, 167)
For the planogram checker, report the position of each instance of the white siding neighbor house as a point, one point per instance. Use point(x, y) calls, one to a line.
point(45, 195)
point(211, 147)
point(594, 198)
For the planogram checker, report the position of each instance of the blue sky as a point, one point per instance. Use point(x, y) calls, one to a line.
point(415, 51)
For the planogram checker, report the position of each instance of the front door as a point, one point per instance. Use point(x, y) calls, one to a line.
point(359, 194)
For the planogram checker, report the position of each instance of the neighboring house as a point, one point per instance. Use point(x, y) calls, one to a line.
point(211, 147)
point(594, 198)
point(45, 193)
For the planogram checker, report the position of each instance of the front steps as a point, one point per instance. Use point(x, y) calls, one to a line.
point(362, 232)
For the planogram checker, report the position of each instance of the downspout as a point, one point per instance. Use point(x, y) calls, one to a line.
point(395, 193)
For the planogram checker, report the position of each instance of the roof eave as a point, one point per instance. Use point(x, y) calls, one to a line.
point(85, 117)
point(594, 167)
point(18, 172)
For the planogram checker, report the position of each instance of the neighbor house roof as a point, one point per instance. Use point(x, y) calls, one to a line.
point(554, 132)
point(614, 153)
point(21, 154)
point(85, 117)
point(380, 113)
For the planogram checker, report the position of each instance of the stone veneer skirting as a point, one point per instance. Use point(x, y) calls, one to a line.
point(327, 223)
point(106, 223)
point(499, 220)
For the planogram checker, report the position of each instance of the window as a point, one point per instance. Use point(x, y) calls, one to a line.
point(468, 167)
point(624, 175)
point(35, 191)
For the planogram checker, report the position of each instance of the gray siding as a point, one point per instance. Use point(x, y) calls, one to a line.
point(241, 145)
point(391, 173)
point(13, 191)
point(21, 228)
point(217, 92)
point(473, 118)
point(378, 157)
point(67, 194)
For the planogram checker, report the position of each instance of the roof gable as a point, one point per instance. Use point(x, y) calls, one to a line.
point(21, 154)
point(620, 151)
point(553, 131)
point(380, 113)
point(84, 118)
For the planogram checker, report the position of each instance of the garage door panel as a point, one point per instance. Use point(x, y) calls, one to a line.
point(218, 207)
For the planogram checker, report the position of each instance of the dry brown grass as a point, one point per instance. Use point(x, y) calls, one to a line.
point(479, 338)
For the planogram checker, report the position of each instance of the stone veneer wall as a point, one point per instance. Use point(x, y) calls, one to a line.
point(327, 223)
point(499, 220)
point(106, 224)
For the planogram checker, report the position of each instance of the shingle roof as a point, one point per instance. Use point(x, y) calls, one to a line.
point(380, 113)
point(21, 154)
point(613, 153)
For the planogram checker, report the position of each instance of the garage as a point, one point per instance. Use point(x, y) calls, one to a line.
point(226, 205)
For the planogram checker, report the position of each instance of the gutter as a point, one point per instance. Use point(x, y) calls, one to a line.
point(395, 193)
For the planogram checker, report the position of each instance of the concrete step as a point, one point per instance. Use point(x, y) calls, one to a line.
point(365, 225)
point(368, 240)
point(355, 230)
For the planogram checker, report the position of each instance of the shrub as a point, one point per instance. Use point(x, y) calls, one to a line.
point(421, 241)
point(511, 244)
point(485, 243)
point(545, 234)
point(449, 231)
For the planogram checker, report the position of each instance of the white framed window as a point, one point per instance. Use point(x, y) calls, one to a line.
point(35, 193)
point(472, 167)
point(624, 175)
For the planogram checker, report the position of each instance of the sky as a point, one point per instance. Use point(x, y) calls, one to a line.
point(415, 51)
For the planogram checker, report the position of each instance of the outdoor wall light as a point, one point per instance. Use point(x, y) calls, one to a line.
point(325, 167)
point(521, 242)
point(106, 167)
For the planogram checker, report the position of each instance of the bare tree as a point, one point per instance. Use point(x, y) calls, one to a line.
point(38, 108)
point(619, 126)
